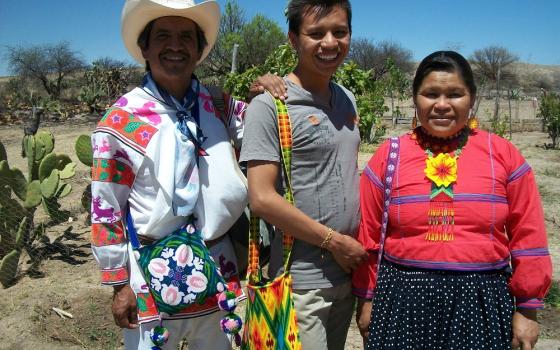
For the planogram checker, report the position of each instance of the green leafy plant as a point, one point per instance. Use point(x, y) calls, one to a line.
point(553, 296)
point(369, 99)
point(281, 61)
point(44, 185)
point(550, 113)
point(500, 125)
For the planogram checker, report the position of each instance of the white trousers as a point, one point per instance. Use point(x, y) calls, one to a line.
point(324, 316)
point(202, 333)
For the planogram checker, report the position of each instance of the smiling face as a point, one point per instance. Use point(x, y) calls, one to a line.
point(321, 44)
point(172, 53)
point(443, 103)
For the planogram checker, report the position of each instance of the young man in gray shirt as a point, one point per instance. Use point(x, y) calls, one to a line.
point(325, 218)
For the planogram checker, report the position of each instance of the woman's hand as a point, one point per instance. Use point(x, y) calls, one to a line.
point(363, 315)
point(270, 82)
point(525, 329)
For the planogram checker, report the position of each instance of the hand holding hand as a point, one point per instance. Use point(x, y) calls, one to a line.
point(347, 251)
point(124, 307)
point(272, 83)
point(525, 329)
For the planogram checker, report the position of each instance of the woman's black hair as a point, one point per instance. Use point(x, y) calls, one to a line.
point(320, 8)
point(446, 61)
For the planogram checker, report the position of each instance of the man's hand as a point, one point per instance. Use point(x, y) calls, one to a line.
point(124, 307)
point(363, 314)
point(525, 329)
point(347, 251)
point(270, 82)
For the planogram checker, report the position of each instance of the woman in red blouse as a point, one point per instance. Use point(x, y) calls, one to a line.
point(457, 217)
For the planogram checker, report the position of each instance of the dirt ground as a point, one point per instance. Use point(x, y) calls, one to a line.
point(68, 277)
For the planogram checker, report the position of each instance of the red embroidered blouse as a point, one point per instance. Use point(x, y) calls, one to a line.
point(498, 217)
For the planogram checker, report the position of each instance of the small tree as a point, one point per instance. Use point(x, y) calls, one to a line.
point(375, 56)
point(550, 113)
point(256, 39)
point(494, 64)
point(49, 64)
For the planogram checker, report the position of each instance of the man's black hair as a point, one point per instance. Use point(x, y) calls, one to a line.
point(319, 8)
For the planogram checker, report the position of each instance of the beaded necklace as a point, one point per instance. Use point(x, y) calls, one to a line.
point(441, 170)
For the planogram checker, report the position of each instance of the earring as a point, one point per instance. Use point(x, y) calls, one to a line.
point(414, 120)
point(472, 123)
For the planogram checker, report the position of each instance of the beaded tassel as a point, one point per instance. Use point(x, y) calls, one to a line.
point(441, 221)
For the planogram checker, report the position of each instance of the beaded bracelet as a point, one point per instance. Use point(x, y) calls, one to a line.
point(326, 241)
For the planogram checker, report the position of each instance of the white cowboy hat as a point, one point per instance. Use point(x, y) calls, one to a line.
point(137, 14)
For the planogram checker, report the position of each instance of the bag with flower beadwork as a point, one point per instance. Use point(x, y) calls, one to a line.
point(178, 269)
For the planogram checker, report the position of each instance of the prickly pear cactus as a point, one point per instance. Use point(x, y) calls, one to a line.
point(44, 185)
point(85, 155)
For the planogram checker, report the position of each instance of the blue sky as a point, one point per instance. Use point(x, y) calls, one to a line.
point(528, 28)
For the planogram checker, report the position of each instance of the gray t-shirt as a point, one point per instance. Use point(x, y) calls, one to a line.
point(324, 172)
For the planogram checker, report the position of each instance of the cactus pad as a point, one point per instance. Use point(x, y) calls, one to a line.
point(33, 196)
point(45, 143)
point(50, 184)
point(8, 267)
point(3, 154)
point(83, 150)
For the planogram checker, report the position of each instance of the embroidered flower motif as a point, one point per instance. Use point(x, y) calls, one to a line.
point(183, 255)
point(156, 284)
point(189, 298)
point(196, 282)
point(197, 263)
point(171, 295)
point(159, 268)
point(442, 169)
point(167, 252)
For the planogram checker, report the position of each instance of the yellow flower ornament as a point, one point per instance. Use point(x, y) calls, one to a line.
point(441, 169)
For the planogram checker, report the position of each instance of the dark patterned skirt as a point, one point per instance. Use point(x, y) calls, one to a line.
point(431, 309)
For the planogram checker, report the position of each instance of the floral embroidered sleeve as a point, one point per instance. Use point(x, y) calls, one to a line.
point(116, 148)
point(235, 119)
point(371, 205)
point(532, 266)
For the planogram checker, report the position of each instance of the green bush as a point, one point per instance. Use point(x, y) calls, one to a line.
point(369, 93)
point(553, 296)
point(550, 113)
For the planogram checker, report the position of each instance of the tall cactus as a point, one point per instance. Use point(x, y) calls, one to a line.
point(44, 185)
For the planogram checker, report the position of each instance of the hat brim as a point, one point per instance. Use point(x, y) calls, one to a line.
point(137, 14)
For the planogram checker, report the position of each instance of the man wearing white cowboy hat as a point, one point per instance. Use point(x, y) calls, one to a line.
point(156, 151)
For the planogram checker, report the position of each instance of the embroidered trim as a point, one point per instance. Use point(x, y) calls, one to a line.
point(112, 170)
point(147, 310)
point(372, 177)
point(121, 123)
point(463, 197)
point(118, 275)
point(363, 293)
point(443, 265)
point(534, 303)
point(104, 234)
point(530, 252)
point(519, 172)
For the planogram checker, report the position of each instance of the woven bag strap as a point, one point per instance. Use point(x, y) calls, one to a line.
point(392, 162)
point(254, 272)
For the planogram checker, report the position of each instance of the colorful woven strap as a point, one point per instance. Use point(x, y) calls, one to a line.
point(254, 272)
point(392, 162)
